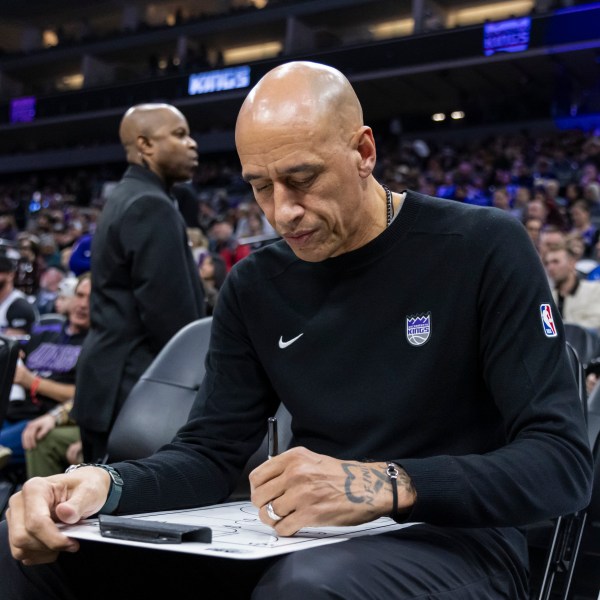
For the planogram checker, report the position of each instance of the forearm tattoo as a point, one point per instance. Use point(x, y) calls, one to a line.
point(364, 482)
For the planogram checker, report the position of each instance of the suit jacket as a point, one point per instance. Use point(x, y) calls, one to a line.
point(145, 287)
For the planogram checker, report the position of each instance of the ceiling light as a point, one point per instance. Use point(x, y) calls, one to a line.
point(457, 114)
point(438, 116)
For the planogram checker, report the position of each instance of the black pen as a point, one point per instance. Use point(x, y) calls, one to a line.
point(272, 437)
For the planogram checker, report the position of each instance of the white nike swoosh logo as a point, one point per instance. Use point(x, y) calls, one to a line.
point(283, 344)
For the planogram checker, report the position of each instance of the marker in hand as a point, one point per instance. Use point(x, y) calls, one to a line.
point(272, 437)
point(273, 449)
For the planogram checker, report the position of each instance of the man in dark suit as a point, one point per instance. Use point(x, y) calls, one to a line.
point(146, 284)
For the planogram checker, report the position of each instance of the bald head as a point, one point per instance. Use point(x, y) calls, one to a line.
point(309, 158)
point(143, 120)
point(301, 94)
point(157, 136)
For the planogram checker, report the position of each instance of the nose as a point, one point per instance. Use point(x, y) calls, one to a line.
point(192, 142)
point(287, 209)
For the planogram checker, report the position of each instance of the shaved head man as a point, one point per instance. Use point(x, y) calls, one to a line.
point(300, 132)
point(145, 280)
point(157, 137)
point(419, 356)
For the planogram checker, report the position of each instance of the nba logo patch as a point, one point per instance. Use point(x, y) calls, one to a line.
point(418, 328)
point(548, 320)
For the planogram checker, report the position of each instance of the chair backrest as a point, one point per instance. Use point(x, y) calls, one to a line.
point(9, 354)
point(594, 439)
point(585, 341)
point(160, 402)
point(579, 372)
point(49, 322)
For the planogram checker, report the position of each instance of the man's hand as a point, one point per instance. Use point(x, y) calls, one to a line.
point(37, 429)
point(308, 489)
point(43, 501)
point(23, 376)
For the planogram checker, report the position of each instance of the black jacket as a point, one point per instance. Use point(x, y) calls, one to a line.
point(145, 287)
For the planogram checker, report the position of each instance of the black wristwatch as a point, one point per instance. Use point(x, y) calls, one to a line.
point(116, 486)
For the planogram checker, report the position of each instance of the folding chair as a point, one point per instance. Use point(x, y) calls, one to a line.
point(160, 402)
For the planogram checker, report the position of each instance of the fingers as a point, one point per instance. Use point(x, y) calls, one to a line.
point(36, 430)
point(33, 533)
point(28, 438)
point(30, 435)
point(300, 488)
point(272, 494)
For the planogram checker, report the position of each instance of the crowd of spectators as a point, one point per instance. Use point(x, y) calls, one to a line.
point(549, 181)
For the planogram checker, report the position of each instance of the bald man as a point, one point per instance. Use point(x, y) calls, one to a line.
point(146, 285)
point(406, 339)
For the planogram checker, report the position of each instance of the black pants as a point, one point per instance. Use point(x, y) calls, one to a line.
point(419, 562)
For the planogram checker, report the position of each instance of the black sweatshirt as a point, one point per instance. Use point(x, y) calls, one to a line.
point(433, 345)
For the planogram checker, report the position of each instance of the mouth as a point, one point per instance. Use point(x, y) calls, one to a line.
point(298, 239)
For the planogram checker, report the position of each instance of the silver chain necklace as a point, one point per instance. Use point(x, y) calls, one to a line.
point(389, 204)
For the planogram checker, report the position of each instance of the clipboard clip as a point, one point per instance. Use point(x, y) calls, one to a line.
point(153, 532)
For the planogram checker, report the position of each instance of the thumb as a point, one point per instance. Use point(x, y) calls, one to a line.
point(84, 494)
point(80, 505)
point(69, 512)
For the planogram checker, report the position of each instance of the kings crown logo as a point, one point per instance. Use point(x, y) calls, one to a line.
point(418, 328)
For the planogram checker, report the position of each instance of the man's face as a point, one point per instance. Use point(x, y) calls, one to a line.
point(305, 179)
point(79, 310)
point(559, 265)
point(221, 231)
point(175, 153)
point(549, 240)
point(534, 227)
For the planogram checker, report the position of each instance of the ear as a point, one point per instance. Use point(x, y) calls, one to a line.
point(143, 145)
point(366, 150)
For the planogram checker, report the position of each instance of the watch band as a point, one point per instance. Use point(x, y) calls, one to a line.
point(116, 486)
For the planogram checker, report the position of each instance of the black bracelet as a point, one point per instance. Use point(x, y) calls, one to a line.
point(392, 472)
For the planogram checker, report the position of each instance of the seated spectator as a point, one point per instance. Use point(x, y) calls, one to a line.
point(554, 214)
point(27, 276)
point(578, 300)
point(223, 241)
point(65, 295)
point(50, 280)
point(198, 242)
point(576, 244)
point(47, 371)
point(212, 271)
point(581, 217)
point(534, 229)
point(550, 237)
point(22, 314)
